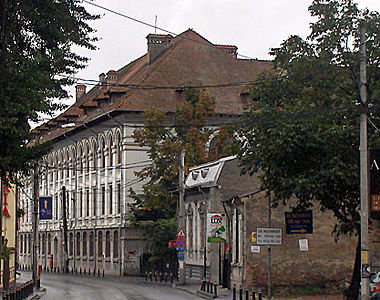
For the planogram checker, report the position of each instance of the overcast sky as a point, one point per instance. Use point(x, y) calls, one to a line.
point(254, 26)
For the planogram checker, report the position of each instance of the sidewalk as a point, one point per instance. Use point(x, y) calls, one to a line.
point(26, 276)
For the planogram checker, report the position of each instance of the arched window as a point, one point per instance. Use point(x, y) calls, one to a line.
point(115, 244)
point(73, 162)
point(100, 244)
point(67, 165)
point(78, 244)
point(87, 202)
point(21, 243)
point(43, 242)
point(103, 154)
point(61, 165)
point(80, 204)
point(95, 156)
point(103, 204)
point(118, 148)
point(55, 246)
point(80, 160)
point(84, 248)
point(71, 244)
point(87, 158)
point(108, 244)
point(118, 199)
point(91, 244)
point(94, 200)
point(49, 243)
point(29, 244)
point(110, 199)
point(110, 154)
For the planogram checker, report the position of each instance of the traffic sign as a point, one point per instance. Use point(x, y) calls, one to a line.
point(181, 242)
point(181, 256)
point(299, 222)
point(269, 236)
point(181, 233)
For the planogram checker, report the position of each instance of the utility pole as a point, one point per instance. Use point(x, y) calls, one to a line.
point(65, 248)
point(269, 249)
point(181, 210)
point(363, 170)
point(35, 224)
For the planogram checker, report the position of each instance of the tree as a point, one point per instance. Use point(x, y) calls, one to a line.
point(164, 135)
point(302, 129)
point(37, 39)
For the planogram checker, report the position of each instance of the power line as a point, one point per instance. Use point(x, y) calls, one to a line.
point(155, 27)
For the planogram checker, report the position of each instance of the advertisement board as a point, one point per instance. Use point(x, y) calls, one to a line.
point(216, 228)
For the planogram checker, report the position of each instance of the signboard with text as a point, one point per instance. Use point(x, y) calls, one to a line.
point(269, 236)
point(299, 222)
point(216, 228)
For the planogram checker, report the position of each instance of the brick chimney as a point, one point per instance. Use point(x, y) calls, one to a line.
point(102, 80)
point(111, 77)
point(229, 49)
point(157, 44)
point(80, 90)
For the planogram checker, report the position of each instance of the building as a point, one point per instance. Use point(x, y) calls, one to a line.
point(94, 155)
point(301, 260)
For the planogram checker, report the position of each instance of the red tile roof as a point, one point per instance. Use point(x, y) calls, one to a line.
point(189, 59)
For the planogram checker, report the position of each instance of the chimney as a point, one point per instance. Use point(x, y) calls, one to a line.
point(111, 77)
point(157, 44)
point(229, 49)
point(102, 80)
point(80, 90)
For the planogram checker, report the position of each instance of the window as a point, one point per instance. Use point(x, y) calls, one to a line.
point(108, 244)
point(87, 203)
point(103, 200)
point(43, 242)
point(74, 163)
point(110, 199)
point(103, 154)
point(78, 244)
point(87, 158)
point(95, 154)
point(80, 159)
point(110, 154)
point(49, 243)
point(56, 207)
point(119, 149)
point(94, 193)
point(100, 244)
point(71, 242)
point(115, 244)
point(118, 198)
point(22, 244)
point(84, 248)
point(73, 206)
point(91, 244)
point(80, 204)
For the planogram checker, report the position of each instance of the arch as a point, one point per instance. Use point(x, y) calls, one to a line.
point(115, 244)
point(77, 252)
point(102, 152)
point(87, 156)
point(95, 154)
point(84, 244)
point(73, 156)
point(108, 244)
point(110, 146)
point(119, 147)
point(91, 246)
point(80, 159)
point(100, 244)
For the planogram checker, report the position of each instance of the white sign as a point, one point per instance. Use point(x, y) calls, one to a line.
point(255, 249)
point(216, 228)
point(269, 236)
point(304, 246)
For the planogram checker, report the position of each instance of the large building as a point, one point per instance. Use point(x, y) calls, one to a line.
point(94, 155)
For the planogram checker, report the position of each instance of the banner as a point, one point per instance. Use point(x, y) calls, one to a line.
point(45, 208)
point(216, 228)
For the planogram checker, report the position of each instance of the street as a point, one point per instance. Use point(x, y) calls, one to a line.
point(61, 286)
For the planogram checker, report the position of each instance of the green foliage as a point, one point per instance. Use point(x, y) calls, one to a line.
point(302, 131)
point(5, 252)
point(36, 38)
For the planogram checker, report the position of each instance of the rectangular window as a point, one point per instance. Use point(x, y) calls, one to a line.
point(80, 203)
point(103, 200)
point(87, 203)
point(110, 191)
point(118, 198)
point(94, 201)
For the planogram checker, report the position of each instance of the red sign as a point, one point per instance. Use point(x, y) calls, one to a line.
point(181, 233)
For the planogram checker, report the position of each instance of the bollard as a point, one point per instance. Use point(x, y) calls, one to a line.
point(151, 276)
point(72, 270)
point(260, 295)
point(94, 272)
point(253, 295)
point(146, 276)
point(208, 286)
point(234, 292)
point(160, 276)
point(203, 286)
point(166, 277)
point(216, 290)
point(84, 271)
point(155, 276)
point(98, 273)
point(80, 271)
point(240, 293)
point(246, 294)
point(103, 273)
point(171, 278)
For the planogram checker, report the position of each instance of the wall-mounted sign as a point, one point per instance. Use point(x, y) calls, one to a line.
point(216, 228)
point(299, 222)
point(46, 208)
point(304, 245)
point(269, 236)
point(255, 249)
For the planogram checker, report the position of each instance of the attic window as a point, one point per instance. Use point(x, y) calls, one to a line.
point(195, 175)
point(204, 172)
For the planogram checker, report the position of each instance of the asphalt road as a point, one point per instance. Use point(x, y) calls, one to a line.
point(59, 286)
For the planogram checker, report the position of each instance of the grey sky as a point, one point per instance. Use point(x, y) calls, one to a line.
point(254, 26)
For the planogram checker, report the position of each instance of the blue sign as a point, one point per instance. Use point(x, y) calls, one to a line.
point(46, 208)
point(181, 256)
point(299, 222)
